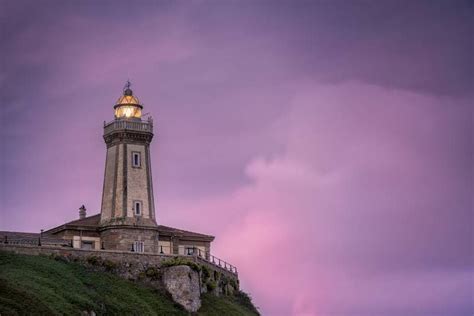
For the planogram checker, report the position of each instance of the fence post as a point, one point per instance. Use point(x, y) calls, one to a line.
point(39, 239)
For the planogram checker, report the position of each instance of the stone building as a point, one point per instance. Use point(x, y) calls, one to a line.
point(127, 219)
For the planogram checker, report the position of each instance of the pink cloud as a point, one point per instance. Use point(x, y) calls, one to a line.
point(339, 199)
point(341, 222)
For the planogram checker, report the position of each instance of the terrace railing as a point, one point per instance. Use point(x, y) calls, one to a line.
point(202, 255)
point(194, 252)
point(39, 241)
point(217, 262)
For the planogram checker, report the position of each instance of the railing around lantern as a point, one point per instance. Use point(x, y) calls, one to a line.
point(130, 125)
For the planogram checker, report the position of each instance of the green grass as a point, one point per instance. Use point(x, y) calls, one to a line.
point(226, 305)
point(43, 286)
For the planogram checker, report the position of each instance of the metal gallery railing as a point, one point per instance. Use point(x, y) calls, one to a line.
point(143, 126)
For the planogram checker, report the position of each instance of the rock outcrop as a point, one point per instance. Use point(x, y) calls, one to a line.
point(183, 284)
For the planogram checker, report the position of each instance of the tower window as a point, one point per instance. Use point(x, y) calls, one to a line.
point(137, 207)
point(136, 159)
point(138, 246)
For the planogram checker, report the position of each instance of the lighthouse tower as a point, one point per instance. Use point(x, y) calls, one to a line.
point(127, 219)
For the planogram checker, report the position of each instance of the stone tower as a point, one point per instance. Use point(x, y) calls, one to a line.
point(127, 216)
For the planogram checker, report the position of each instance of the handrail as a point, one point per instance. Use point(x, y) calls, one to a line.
point(36, 241)
point(203, 255)
point(214, 260)
point(194, 251)
point(130, 125)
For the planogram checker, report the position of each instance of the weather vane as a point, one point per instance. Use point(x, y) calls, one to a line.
point(127, 85)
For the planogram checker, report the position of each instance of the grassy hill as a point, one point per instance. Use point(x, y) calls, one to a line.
point(43, 286)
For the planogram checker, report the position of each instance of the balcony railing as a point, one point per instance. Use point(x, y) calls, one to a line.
point(201, 254)
point(164, 250)
point(39, 241)
point(142, 126)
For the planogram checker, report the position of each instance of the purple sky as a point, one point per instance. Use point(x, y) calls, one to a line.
point(328, 145)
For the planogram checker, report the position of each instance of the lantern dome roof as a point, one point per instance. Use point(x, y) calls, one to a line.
point(128, 98)
point(128, 106)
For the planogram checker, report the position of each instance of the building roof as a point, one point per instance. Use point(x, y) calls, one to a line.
point(166, 230)
point(86, 221)
point(128, 97)
point(92, 222)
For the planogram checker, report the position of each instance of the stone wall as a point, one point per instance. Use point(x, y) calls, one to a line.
point(153, 270)
point(141, 259)
point(137, 182)
point(108, 189)
point(118, 238)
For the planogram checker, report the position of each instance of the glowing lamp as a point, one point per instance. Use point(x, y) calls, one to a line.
point(128, 106)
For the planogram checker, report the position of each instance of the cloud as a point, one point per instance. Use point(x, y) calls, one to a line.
point(364, 211)
point(337, 199)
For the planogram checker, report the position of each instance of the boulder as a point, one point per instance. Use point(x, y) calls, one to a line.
point(183, 284)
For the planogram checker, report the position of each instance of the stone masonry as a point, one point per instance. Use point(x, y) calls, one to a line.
point(184, 283)
point(184, 286)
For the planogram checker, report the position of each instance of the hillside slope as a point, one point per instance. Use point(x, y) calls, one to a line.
point(43, 286)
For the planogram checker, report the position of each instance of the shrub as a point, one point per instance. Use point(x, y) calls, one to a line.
point(93, 260)
point(141, 275)
point(153, 273)
point(233, 283)
point(110, 265)
point(177, 261)
point(224, 280)
point(206, 273)
point(211, 285)
point(61, 258)
point(246, 300)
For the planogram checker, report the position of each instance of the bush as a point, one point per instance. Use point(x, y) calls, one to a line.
point(224, 280)
point(110, 265)
point(211, 285)
point(234, 284)
point(177, 261)
point(244, 299)
point(206, 273)
point(93, 260)
point(153, 273)
point(59, 258)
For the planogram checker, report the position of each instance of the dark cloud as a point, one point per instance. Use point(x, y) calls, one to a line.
point(348, 122)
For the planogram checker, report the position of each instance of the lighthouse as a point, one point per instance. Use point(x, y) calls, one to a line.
point(127, 214)
point(127, 218)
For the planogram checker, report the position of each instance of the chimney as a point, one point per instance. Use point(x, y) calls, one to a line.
point(82, 212)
